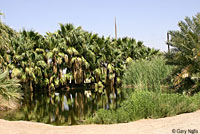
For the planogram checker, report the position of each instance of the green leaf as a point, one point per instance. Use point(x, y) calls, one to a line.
point(42, 64)
point(49, 55)
point(129, 60)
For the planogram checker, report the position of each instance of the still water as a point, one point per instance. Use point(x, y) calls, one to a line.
point(62, 108)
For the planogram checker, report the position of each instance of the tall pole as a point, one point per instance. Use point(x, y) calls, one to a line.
point(115, 29)
point(168, 42)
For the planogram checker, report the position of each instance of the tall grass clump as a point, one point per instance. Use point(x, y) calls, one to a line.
point(146, 75)
point(145, 104)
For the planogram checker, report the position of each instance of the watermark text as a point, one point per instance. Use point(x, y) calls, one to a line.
point(185, 131)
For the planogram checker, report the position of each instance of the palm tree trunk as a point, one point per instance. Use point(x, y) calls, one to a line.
point(31, 86)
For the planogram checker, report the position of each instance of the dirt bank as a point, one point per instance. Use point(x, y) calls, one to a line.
point(182, 124)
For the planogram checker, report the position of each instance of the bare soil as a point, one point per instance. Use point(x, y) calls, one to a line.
point(182, 124)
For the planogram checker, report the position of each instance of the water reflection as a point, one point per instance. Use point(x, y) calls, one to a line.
point(62, 108)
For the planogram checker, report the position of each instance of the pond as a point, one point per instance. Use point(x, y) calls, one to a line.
point(61, 108)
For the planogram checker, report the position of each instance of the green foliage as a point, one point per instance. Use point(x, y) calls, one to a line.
point(9, 88)
point(186, 55)
point(146, 75)
point(5, 44)
point(145, 104)
point(86, 56)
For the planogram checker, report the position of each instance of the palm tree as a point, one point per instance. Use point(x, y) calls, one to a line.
point(186, 55)
point(41, 60)
point(9, 88)
point(7, 34)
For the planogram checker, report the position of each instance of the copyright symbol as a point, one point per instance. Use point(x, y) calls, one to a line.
point(173, 130)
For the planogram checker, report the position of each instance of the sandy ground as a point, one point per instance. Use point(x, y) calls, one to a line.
point(180, 124)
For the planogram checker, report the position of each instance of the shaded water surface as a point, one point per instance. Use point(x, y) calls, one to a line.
point(61, 108)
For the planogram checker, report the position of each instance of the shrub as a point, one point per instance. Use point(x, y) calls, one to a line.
point(145, 104)
point(9, 91)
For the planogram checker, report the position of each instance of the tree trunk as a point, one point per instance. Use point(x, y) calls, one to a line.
point(31, 86)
